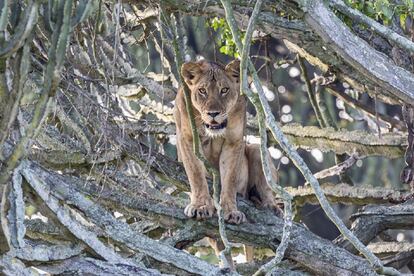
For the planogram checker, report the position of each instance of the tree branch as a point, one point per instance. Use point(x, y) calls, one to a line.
point(357, 52)
point(305, 249)
point(380, 29)
point(373, 220)
point(117, 230)
point(343, 193)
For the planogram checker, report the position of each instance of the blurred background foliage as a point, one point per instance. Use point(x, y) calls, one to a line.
point(385, 10)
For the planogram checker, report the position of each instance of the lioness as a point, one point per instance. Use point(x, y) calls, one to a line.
point(220, 115)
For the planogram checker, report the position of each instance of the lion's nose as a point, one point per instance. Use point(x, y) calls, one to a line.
point(213, 114)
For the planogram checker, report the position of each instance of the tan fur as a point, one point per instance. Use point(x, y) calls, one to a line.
point(239, 164)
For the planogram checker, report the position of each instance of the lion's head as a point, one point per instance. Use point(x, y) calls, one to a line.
point(214, 91)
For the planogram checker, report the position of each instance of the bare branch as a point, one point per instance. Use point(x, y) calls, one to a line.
point(115, 229)
point(63, 214)
point(343, 193)
point(386, 248)
point(382, 30)
point(92, 266)
point(373, 220)
point(337, 169)
point(12, 266)
point(357, 52)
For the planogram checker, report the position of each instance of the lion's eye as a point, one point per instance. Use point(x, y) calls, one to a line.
point(224, 90)
point(202, 91)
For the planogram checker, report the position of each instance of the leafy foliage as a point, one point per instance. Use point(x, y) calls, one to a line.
point(225, 40)
point(384, 10)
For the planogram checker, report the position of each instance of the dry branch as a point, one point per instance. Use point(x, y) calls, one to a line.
point(45, 253)
point(90, 266)
point(343, 193)
point(11, 266)
point(305, 248)
point(391, 145)
point(117, 230)
point(358, 53)
point(373, 220)
point(387, 248)
point(65, 216)
point(338, 168)
point(342, 141)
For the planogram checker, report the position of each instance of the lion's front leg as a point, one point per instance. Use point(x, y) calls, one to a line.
point(201, 205)
point(233, 172)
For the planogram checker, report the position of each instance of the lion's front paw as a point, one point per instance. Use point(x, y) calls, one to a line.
point(199, 211)
point(276, 208)
point(235, 217)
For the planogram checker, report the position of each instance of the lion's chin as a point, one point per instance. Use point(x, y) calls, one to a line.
point(216, 130)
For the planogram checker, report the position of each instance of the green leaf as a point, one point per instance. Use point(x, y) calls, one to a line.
point(403, 18)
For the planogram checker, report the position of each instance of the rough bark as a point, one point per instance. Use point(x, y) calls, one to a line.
point(373, 220)
point(303, 248)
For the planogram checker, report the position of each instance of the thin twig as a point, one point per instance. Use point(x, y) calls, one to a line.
point(338, 168)
point(366, 109)
point(321, 111)
point(311, 95)
point(377, 118)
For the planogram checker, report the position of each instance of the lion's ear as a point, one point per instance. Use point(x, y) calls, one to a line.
point(233, 70)
point(189, 71)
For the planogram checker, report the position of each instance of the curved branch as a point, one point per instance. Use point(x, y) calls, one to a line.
point(356, 52)
point(380, 29)
point(373, 220)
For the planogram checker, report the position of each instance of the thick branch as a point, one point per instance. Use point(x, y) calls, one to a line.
point(115, 229)
point(380, 29)
point(306, 248)
point(373, 220)
point(356, 52)
point(90, 266)
point(391, 145)
point(343, 193)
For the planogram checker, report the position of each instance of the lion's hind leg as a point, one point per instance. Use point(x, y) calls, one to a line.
point(259, 192)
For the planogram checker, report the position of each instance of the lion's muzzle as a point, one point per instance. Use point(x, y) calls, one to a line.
point(215, 129)
point(216, 126)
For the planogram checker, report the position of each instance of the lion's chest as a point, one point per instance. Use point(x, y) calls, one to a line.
point(212, 149)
